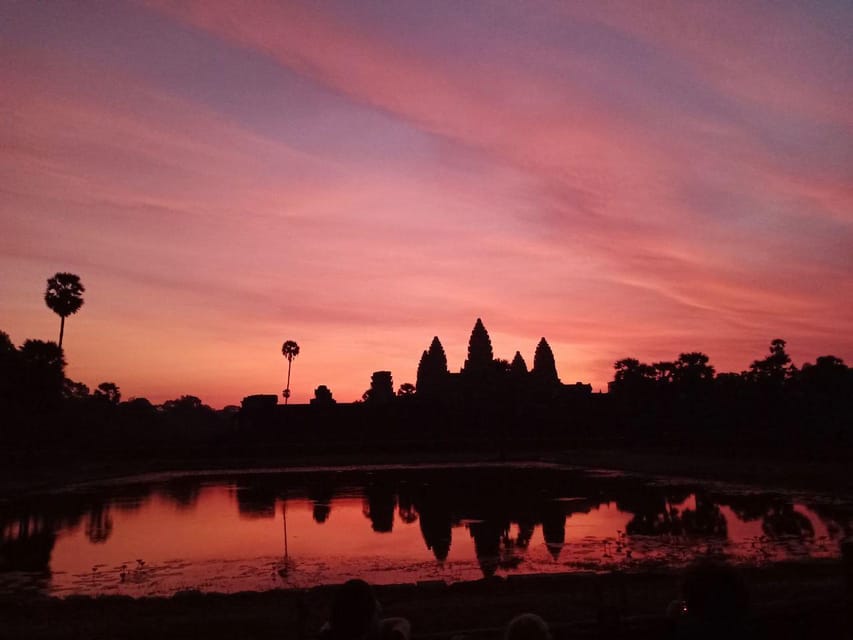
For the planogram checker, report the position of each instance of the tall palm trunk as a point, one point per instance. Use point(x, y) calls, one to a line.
point(61, 330)
point(284, 517)
point(287, 395)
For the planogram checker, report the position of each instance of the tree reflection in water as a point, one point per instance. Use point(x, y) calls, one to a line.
point(502, 509)
point(256, 501)
point(99, 525)
point(779, 518)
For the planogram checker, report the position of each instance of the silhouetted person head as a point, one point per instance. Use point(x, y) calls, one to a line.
point(716, 599)
point(527, 626)
point(847, 559)
point(355, 613)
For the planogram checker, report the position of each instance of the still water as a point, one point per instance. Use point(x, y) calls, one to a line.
point(226, 532)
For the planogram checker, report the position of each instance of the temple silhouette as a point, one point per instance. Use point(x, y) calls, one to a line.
point(482, 375)
point(489, 401)
point(483, 379)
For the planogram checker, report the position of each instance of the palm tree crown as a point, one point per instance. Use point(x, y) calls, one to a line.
point(64, 296)
point(289, 350)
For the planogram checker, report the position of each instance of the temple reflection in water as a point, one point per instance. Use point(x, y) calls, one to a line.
point(421, 523)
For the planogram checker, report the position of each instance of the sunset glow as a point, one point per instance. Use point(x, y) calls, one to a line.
point(204, 537)
point(625, 179)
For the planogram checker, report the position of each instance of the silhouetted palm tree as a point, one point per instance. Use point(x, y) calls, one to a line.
point(64, 297)
point(289, 350)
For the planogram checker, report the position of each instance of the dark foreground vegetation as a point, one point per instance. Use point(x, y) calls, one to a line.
point(773, 409)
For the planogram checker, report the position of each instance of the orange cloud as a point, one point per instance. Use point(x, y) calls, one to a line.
point(619, 209)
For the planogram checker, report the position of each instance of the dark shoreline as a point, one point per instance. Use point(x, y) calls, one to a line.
point(788, 600)
point(827, 474)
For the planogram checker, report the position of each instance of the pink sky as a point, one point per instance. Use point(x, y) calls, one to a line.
point(359, 177)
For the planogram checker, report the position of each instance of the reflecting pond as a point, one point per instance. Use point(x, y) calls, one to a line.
point(268, 529)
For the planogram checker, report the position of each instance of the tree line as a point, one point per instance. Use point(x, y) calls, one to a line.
point(693, 373)
point(42, 407)
point(773, 401)
point(488, 400)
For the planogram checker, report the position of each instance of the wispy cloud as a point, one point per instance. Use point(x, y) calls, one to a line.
point(624, 181)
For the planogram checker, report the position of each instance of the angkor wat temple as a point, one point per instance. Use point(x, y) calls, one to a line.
point(484, 376)
point(482, 380)
point(488, 398)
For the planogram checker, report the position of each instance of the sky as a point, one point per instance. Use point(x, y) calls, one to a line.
point(622, 178)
